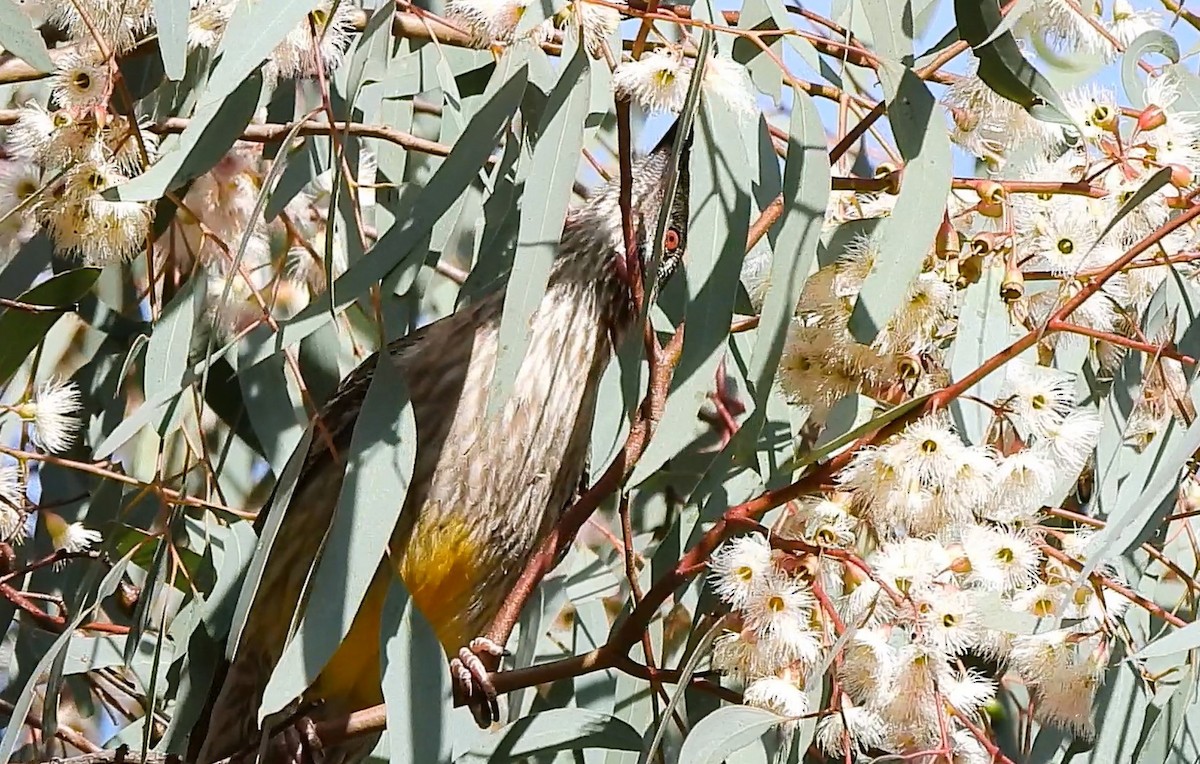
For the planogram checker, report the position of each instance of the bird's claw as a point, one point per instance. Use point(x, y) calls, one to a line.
point(472, 684)
point(298, 742)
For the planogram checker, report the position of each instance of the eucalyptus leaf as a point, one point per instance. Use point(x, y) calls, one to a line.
point(909, 232)
point(253, 31)
point(18, 36)
point(380, 463)
point(1002, 65)
point(727, 731)
point(171, 21)
point(982, 332)
point(718, 225)
point(543, 211)
point(1180, 640)
point(565, 729)
point(167, 352)
point(1153, 41)
point(209, 135)
point(22, 330)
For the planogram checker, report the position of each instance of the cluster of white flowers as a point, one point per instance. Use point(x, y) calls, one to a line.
point(65, 158)
point(497, 23)
point(822, 361)
point(659, 80)
point(1074, 27)
point(945, 578)
point(52, 414)
point(217, 218)
point(776, 647)
point(946, 541)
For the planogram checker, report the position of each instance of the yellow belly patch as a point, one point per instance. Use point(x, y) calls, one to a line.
point(440, 566)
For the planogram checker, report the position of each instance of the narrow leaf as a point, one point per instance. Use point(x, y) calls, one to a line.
point(167, 353)
point(718, 223)
point(909, 232)
point(208, 137)
point(18, 37)
point(22, 330)
point(252, 33)
point(416, 683)
point(1178, 641)
point(171, 21)
point(726, 731)
point(1153, 41)
point(543, 210)
point(562, 729)
point(380, 462)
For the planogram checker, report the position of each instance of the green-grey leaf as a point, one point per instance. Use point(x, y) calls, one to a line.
point(699, 651)
point(718, 224)
point(1178, 641)
point(1158, 180)
point(18, 37)
point(884, 419)
point(891, 25)
point(982, 332)
point(22, 330)
point(208, 137)
point(171, 21)
point(543, 210)
point(1153, 41)
point(725, 731)
point(1002, 66)
point(562, 729)
point(909, 232)
point(167, 354)
point(416, 683)
point(252, 33)
point(266, 540)
point(380, 461)
point(806, 185)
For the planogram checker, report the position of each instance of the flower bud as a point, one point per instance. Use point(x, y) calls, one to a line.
point(961, 565)
point(969, 270)
point(989, 210)
point(991, 192)
point(1013, 286)
point(946, 246)
point(1151, 118)
point(1181, 176)
point(128, 595)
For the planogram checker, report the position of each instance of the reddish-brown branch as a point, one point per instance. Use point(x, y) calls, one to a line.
point(53, 623)
point(949, 393)
point(1116, 339)
point(887, 182)
point(1108, 583)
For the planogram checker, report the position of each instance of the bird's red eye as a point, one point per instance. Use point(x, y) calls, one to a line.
point(671, 240)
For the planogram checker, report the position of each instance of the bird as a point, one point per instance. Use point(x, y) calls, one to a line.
point(485, 490)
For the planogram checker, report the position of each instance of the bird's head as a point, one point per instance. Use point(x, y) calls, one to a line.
point(596, 226)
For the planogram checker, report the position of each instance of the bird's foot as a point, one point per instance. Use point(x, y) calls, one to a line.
point(297, 742)
point(470, 677)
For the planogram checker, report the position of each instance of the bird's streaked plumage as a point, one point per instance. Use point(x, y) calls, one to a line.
point(484, 491)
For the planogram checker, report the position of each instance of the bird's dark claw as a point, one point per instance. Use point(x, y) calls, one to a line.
point(470, 676)
point(297, 742)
